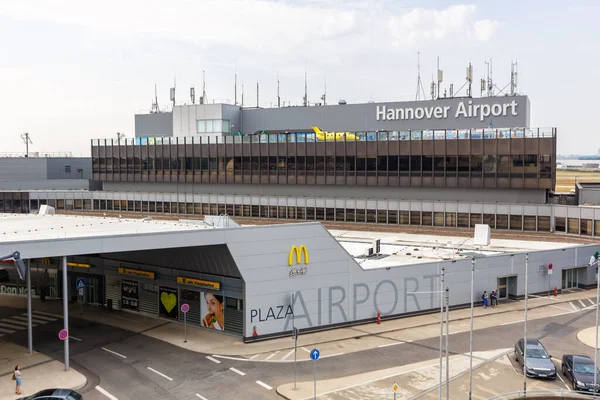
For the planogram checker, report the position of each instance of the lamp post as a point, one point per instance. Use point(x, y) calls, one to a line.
point(441, 326)
point(594, 261)
point(525, 327)
point(471, 330)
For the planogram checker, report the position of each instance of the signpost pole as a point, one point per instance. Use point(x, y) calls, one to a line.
point(184, 327)
point(441, 328)
point(314, 354)
point(65, 294)
point(295, 339)
point(315, 379)
point(29, 311)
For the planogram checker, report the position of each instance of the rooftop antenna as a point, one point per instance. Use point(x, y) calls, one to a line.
point(432, 88)
point(257, 92)
point(419, 82)
point(193, 95)
point(469, 80)
point(305, 98)
point(513, 78)
point(155, 108)
point(172, 92)
point(203, 88)
point(440, 77)
point(324, 97)
point(489, 84)
point(278, 97)
point(27, 141)
point(242, 93)
point(235, 89)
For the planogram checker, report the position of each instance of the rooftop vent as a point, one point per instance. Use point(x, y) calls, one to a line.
point(342, 102)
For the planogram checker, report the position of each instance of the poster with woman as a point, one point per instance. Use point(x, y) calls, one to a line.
point(212, 308)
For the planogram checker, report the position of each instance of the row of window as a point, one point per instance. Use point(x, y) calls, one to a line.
point(212, 126)
point(529, 165)
point(576, 226)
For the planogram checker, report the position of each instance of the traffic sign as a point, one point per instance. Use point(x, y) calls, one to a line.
point(80, 283)
point(395, 387)
point(63, 334)
point(550, 266)
point(185, 308)
point(314, 354)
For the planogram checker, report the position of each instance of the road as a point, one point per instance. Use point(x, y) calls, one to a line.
point(126, 365)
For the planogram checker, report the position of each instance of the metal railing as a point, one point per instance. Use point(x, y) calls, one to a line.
point(308, 137)
point(544, 394)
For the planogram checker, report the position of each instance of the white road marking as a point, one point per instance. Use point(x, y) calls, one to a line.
point(160, 373)
point(592, 302)
point(264, 385)
point(562, 380)
point(104, 392)
point(582, 304)
point(306, 350)
point(513, 322)
point(45, 313)
point(213, 360)
point(17, 323)
point(74, 338)
point(232, 358)
point(390, 344)
point(19, 327)
point(237, 371)
point(574, 306)
point(6, 331)
point(253, 357)
point(201, 397)
point(42, 317)
point(561, 308)
point(272, 355)
point(331, 355)
point(454, 333)
point(113, 352)
point(288, 354)
point(33, 319)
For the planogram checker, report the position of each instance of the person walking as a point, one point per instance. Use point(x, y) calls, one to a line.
point(484, 297)
point(494, 298)
point(18, 379)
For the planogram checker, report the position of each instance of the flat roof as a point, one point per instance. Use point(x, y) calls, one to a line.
point(398, 249)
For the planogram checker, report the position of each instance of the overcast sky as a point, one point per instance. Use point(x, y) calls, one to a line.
point(72, 70)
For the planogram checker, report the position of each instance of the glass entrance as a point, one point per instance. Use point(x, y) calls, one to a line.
point(94, 290)
point(570, 278)
point(502, 289)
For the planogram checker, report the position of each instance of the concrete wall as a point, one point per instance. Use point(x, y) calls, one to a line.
point(336, 290)
point(153, 125)
point(588, 195)
point(399, 193)
point(364, 117)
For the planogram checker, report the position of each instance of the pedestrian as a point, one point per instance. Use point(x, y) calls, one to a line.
point(484, 297)
point(494, 298)
point(17, 377)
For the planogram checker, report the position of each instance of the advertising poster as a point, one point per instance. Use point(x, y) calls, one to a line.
point(129, 295)
point(212, 310)
point(168, 306)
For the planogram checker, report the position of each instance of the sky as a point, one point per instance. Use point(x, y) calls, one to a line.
point(72, 71)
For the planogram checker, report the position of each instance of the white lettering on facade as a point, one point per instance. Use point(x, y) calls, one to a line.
point(463, 110)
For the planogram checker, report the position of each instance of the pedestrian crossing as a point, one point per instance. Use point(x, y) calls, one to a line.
point(17, 323)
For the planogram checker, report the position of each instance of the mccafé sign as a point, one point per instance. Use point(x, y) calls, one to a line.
point(300, 253)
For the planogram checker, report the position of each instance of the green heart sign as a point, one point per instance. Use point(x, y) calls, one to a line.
point(169, 300)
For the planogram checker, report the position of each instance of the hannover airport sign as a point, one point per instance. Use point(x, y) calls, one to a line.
point(464, 109)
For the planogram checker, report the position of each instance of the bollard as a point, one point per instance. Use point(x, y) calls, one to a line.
point(555, 291)
point(378, 318)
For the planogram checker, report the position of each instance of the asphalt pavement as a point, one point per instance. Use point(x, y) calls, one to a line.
point(121, 364)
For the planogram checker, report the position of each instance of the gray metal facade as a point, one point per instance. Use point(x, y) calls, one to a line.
point(537, 196)
point(47, 173)
point(154, 125)
point(587, 193)
point(185, 117)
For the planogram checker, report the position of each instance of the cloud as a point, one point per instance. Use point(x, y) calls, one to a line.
point(261, 25)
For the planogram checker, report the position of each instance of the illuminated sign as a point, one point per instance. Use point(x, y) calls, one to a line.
point(299, 252)
point(199, 283)
point(136, 273)
point(74, 264)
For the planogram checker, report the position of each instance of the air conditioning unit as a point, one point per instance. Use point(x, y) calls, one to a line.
point(368, 252)
point(377, 246)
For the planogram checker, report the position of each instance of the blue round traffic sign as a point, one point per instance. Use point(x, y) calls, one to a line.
point(185, 308)
point(314, 354)
point(63, 334)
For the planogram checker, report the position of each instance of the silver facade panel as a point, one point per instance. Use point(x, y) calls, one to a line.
point(154, 125)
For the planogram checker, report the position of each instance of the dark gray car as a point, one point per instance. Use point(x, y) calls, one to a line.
point(54, 394)
point(539, 362)
point(580, 371)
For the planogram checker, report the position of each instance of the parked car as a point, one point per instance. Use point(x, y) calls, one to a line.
point(54, 394)
point(539, 362)
point(580, 371)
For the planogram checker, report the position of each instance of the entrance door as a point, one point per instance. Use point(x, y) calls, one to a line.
point(94, 290)
point(570, 278)
point(502, 289)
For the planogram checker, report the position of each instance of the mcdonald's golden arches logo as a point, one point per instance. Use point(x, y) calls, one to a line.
point(301, 253)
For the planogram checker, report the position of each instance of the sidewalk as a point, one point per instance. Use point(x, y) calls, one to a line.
point(372, 335)
point(39, 372)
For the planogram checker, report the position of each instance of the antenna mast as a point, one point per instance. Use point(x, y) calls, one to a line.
point(242, 93)
point(324, 97)
point(155, 108)
point(27, 140)
point(235, 90)
point(440, 77)
point(419, 82)
point(513, 78)
point(193, 95)
point(305, 99)
point(278, 98)
point(203, 88)
point(257, 95)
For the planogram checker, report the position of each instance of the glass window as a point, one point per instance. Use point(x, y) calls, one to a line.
point(225, 126)
point(201, 126)
point(209, 126)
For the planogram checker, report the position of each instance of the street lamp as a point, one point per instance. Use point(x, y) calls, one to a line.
point(525, 326)
point(594, 260)
point(19, 263)
point(471, 330)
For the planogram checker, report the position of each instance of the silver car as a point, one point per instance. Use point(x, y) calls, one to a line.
point(539, 362)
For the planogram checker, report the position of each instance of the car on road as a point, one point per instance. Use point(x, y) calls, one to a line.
point(539, 363)
point(54, 394)
point(580, 371)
